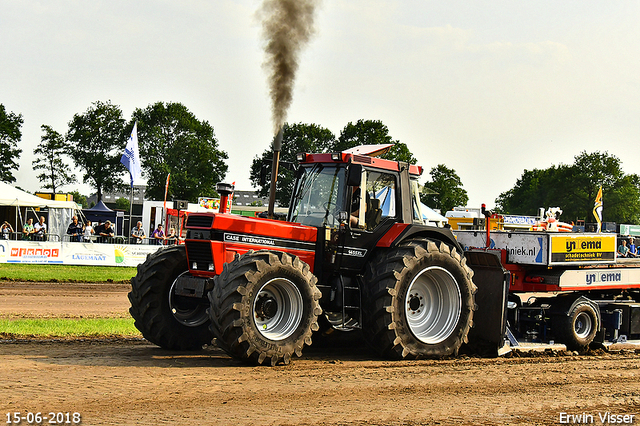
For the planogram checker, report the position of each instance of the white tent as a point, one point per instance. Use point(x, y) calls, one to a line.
point(60, 212)
point(431, 217)
point(10, 196)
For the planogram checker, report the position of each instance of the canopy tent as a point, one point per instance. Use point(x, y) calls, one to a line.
point(59, 212)
point(430, 216)
point(388, 205)
point(10, 196)
point(101, 213)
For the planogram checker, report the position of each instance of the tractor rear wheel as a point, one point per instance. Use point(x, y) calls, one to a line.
point(164, 318)
point(264, 307)
point(419, 301)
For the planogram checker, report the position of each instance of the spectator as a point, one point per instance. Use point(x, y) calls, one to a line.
point(28, 230)
point(137, 233)
point(633, 250)
point(40, 229)
point(158, 234)
point(98, 228)
point(75, 230)
point(172, 238)
point(5, 230)
point(107, 232)
point(623, 250)
point(88, 231)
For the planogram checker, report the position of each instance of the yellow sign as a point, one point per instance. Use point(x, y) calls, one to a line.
point(599, 248)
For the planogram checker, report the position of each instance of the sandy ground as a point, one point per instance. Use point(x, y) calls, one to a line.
point(131, 382)
point(63, 300)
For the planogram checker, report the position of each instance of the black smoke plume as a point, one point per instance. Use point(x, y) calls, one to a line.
point(287, 26)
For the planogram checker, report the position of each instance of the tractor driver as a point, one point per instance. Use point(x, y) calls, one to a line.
point(355, 207)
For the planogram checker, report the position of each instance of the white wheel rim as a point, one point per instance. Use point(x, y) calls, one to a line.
point(433, 305)
point(278, 309)
point(583, 325)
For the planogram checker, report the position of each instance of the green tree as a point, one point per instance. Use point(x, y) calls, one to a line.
point(172, 140)
point(574, 188)
point(79, 198)
point(96, 141)
point(122, 204)
point(444, 189)
point(534, 189)
point(296, 138)
point(372, 132)
point(49, 158)
point(313, 138)
point(10, 135)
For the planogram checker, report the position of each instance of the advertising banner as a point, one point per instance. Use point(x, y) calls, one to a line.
point(630, 230)
point(591, 278)
point(31, 252)
point(209, 203)
point(106, 254)
point(520, 221)
point(527, 248)
point(583, 248)
point(213, 204)
point(73, 253)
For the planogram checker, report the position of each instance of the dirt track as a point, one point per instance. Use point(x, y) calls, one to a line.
point(133, 382)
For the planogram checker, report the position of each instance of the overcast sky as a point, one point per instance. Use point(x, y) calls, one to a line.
point(488, 88)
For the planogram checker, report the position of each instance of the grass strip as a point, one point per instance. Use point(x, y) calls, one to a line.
point(65, 273)
point(65, 327)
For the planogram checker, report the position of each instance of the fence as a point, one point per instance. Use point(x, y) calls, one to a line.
point(21, 236)
point(121, 240)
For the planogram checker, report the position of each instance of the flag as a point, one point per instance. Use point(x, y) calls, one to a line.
point(230, 201)
point(166, 189)
point(597, 209)
point(131, 156)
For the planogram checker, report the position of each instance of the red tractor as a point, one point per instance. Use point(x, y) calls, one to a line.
point(354, 253)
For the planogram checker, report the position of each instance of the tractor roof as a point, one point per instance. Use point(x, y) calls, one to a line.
point(357, 155)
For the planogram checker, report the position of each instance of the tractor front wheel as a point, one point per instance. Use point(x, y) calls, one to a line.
point(264, 307)
point(169, 320)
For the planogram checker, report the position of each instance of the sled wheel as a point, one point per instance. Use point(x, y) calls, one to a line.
point(164, 318)
point(578, 329)
point(264, 307)
point(419, 302)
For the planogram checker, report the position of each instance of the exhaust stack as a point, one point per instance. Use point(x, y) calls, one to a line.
point(225, 190)
point(277, 147)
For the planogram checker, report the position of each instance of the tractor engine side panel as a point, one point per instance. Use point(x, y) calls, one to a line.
point(213, 239)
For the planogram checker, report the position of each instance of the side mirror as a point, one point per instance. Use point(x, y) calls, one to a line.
point(354, 175)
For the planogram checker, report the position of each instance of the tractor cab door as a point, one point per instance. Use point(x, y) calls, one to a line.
point(373, 209)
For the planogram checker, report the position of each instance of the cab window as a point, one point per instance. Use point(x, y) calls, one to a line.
point(378, 201)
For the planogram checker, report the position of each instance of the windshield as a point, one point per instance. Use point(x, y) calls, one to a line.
point(318, 195)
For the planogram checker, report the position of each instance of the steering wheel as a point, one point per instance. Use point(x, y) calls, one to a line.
point(331, 212)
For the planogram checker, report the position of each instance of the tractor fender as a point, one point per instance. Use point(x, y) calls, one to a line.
point(401, 232)
point(565, 304)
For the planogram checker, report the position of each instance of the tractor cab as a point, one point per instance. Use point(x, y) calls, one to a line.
point(355, 200)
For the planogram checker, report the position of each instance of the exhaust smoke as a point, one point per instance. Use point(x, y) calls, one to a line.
point(287, 27)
